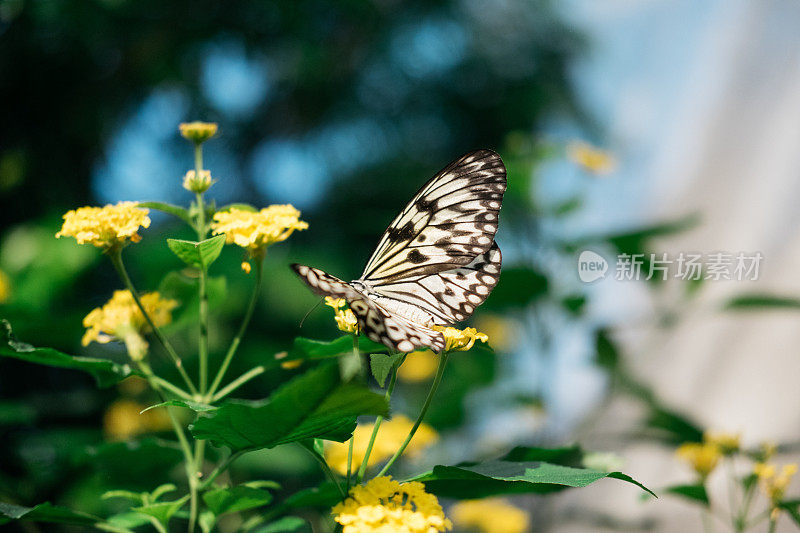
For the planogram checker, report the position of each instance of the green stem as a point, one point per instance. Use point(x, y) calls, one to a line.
point(325, 468)
point(435, 385)
point(223, 466)
point(349, 463)
point(362, 469)
point(242, 328)
point(182, 440)
point(238, 382)
point(772, 524)
point(177, 391)
point(158, 526)
point(116, 259)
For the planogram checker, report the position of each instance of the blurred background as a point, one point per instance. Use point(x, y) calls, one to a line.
point(344, 109)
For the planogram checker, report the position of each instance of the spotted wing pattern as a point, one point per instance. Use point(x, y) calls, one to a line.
point(394, 331)
point(449, 296)
point(450, 221)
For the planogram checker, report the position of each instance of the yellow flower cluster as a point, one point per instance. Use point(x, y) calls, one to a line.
point(774, 484)
point(124, 419)
point(384, 505)
point(490, 515)
point(198, 132)
point(391, 435)
point(121, 319)
point(460, 340)
point(703, 457)
point(105, 227)
point(255, 231)
point(345, 319)
point(418, 366)
point(590, 158)
point(727, 443)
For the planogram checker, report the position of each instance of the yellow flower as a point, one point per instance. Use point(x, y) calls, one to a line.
point(124, 419)
point(590, 158)
point(703, 457)
point(105, 227)
point(490, 515)
point(120, 319)
point(5, 287)
point(345, 319)
point(198, 132)
point(460, 340)
point(418, 366)
point(727, 443)
point(254, 231)
point(766, 451)
point(773, 484)
point(199, 185)
point(391, 435)
point(384, 505)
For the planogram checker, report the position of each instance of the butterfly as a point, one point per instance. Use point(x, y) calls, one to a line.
point(435, 263)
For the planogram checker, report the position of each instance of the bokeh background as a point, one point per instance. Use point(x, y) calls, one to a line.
point(343, 109)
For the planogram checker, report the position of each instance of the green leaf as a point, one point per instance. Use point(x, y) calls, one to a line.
point(675, 427)
point(206, 521)
point(197, 407)
point(169, 209)
point(240, 206)
point(135, 464)
point(304, 348)
point(106, 373)
point(695, 493)
point(467, 481)
point(235, 499)
point(382, 365)
point(45, 512)
point(162, 511)
point(755, 302)
point(197, 254)
point(161, 490)
point(128, 520)
point(314, 405)
point(565, 456)
point(124, 494)
point(792, 507)
point(326, 495)
point(287, 524)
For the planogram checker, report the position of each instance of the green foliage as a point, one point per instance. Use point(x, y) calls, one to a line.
point(382, 365)
point(287, 524)
point(235, 499)
point(481, 480)
point(197, 254)
point(766, 302)
point(162, 511)
point(314, 405)
point(174, 210)
point(696, 493)
point(106, 373)
point(45, 512)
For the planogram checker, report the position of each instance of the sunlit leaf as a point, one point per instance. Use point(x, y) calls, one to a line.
point(197, 254)
point(45, 512)
point(382, 364)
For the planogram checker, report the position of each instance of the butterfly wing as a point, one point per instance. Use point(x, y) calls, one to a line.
point(449, 296)
point(378, 324)
point(451, 220)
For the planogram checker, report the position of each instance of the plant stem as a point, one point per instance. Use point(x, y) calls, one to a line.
point(349, 463)
point(220, 469)
point(238, 338)
point(116, 260)
point(325, 468)
point(772, 524)
point(238, 382)
point(362, 469)
point(435, 385)
point(182, 440)
point(174, 389)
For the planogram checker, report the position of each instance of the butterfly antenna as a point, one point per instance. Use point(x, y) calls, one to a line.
point(311, 310)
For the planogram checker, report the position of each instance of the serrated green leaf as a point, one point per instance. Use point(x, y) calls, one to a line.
point(197, 407)
point(382, 365)
point(235, 499)
point(162, 511)
point(314, 405)
point(287, 524)
point(45, 512)
point(197, 254)
point(696, 493)
point(169, 209)
point(303, 348)
point(468, 481)
point(106, 373)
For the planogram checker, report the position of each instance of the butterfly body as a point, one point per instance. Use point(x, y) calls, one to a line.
point(435, 263)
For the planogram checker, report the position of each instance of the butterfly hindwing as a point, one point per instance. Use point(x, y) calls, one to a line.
point(395, 332)
point(449, 296)
point(451, 220)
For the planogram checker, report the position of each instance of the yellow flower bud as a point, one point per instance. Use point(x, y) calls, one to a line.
point(198, 132)
point(199, 185)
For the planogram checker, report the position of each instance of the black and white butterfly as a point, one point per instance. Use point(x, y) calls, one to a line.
point(436, 262)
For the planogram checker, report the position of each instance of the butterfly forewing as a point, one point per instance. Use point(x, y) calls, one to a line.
point(451, 220)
